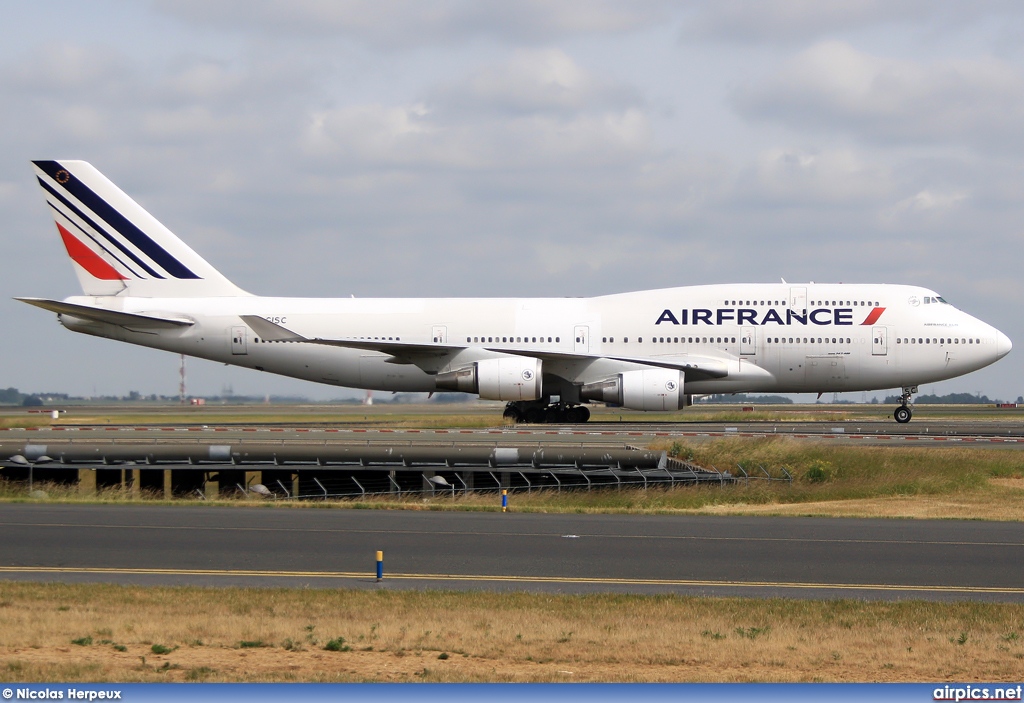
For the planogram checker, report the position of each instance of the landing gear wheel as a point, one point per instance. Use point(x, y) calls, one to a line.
point(902, 414)
point(577, 415)
point(512, 413)
point(534, 415)
point(554, 414)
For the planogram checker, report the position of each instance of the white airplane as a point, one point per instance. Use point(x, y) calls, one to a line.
point(548, 357)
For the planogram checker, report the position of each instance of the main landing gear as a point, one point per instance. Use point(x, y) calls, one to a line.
point(903, 413)
point(539, 411)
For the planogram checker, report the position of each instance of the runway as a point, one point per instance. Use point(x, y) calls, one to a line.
point(992, 434)
point(331, 548)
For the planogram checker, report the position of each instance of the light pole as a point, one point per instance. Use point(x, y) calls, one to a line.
point(23, 461)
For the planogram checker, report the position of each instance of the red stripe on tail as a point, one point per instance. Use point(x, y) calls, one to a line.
point(873, 316)
point(88, 259)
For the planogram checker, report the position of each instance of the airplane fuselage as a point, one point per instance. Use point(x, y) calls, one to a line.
point(768, 337)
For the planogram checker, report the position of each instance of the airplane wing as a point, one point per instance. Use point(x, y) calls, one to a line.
point(133, 320)
point(695, 367)
point(403, 352)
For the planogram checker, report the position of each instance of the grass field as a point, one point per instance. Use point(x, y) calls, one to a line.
point(472, 414)
point(55, 632)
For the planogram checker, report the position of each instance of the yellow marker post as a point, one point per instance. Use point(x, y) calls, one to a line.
point(380, 566)
point(504, 500)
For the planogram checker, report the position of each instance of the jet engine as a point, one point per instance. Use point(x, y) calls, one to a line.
point(505, 378)
point(644, 389)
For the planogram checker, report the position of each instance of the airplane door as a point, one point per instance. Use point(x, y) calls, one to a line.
point(439, 334)
point(582, 343)
point(748, 341)
point(879, 344)
point(238, 340)
point(798, 299)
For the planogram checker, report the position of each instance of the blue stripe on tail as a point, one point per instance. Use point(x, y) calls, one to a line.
point(116, 220)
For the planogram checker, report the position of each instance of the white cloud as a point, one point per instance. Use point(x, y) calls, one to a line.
point(534, 81)
point(401, 24)
point(372, 133)
point(187, 123)
point(783, 21)
point(540, 110)
point(833, 88)
point(927, 203)
point(205, 79)
point(791, 177)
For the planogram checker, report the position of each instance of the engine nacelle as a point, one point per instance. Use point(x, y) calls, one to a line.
point(506, 378)
point(644, 389)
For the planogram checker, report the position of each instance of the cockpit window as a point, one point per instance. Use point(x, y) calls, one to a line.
point(928, 300)
point(942, 300)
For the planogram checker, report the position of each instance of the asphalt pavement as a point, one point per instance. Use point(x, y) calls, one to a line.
point(330, 548)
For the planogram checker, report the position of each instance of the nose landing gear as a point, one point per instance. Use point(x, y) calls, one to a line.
point(903, 413)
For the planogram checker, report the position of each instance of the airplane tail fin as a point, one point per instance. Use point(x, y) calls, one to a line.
point(116, 246)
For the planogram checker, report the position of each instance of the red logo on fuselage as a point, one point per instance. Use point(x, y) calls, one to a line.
point(873, 316)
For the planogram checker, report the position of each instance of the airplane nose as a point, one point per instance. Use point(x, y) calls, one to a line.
point(1003, 345)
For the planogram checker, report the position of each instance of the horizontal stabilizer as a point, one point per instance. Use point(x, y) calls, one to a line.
point(114, 317)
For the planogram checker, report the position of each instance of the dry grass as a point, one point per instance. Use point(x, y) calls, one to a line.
point(27, 421)
point(280, 635)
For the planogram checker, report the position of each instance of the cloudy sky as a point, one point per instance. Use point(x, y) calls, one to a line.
point(541, 147)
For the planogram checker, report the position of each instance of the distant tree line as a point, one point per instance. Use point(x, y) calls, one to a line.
point(12, 396)
point(949, 399)
point(743, 398)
